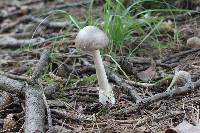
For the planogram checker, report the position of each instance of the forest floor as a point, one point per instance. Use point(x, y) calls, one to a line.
point(25, 31)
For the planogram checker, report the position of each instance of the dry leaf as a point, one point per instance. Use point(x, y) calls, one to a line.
point(148, 74)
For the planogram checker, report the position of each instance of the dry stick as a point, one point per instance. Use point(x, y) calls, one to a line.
point(16, 77)
point(10, 85)
point(48, 90)
point(167, 94)
point(40, 66)
point(30, 18)
point(48, 113)
point(51, 88)
point(35, 107)
point(8, 41)
point(67, 5)
point(181, 54)
point(20, 35)
point(51, 24)
point(13, 24)
point(34, 111)
point(22, 11)
point(184, 16)
point(126, 87)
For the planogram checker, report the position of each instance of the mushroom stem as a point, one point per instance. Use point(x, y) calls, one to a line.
point(105, 90)
point(100, 70)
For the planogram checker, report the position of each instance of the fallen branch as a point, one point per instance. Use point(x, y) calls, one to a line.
point(131, 90)
point(181, 54)
point(10, 85)
point(67, 5)
point(184, 16)
point(34, 93)
point(34, 111)
point(35, 104)
point(7, 41)
point(12, 25)
point(40, 66)
point(51, 24)
point(167, 94)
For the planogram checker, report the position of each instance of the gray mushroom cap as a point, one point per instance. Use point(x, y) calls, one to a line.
point(91, 38)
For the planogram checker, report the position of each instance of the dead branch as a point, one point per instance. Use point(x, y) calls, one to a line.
point(81, 3)
point(35, 104)
point(51, 88)
point(20, 35)
point(167, 94)
point(10, 85)
point(126, 87)
point(16, 77)
point(34, 93)
point(13, 24)
point(35, 111)
point(21, 11)
point(51, 24)
point(40, 66)
point(184, 16)
point(48, 113)
point(181, 54)
point(7, 41)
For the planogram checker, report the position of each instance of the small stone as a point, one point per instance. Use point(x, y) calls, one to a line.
point(165, 27)
point(193, 42)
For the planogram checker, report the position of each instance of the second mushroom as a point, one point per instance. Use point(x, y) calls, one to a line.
point(90, 39)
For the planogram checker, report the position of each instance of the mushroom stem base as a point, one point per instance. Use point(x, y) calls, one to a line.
point(106, 97)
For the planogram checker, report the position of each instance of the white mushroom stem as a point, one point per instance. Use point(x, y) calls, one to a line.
point(100, 70)
point(105, 90)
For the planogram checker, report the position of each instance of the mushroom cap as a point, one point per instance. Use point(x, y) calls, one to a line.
point(91, 38)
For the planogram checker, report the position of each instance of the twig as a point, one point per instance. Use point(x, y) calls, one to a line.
point(167, 94)
point(35, 111)
point(181, 54)
point(51, 24)
point(40, 66)
point(35, 102)
point(184, 16)
point(51, 88)
point(13, 24)
point(20, 35)
point(48, 113)
point(16, 77)
point(76, 4)
point(126, 87)
point(34, 93)
point(7, 41)
point(10, 85)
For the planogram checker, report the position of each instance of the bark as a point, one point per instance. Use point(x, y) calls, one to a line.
point(35, 111)
point(10, 85)
point(40, 66)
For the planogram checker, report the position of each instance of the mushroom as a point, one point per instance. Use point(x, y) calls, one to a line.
point(181, 78)
point(90, 39)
